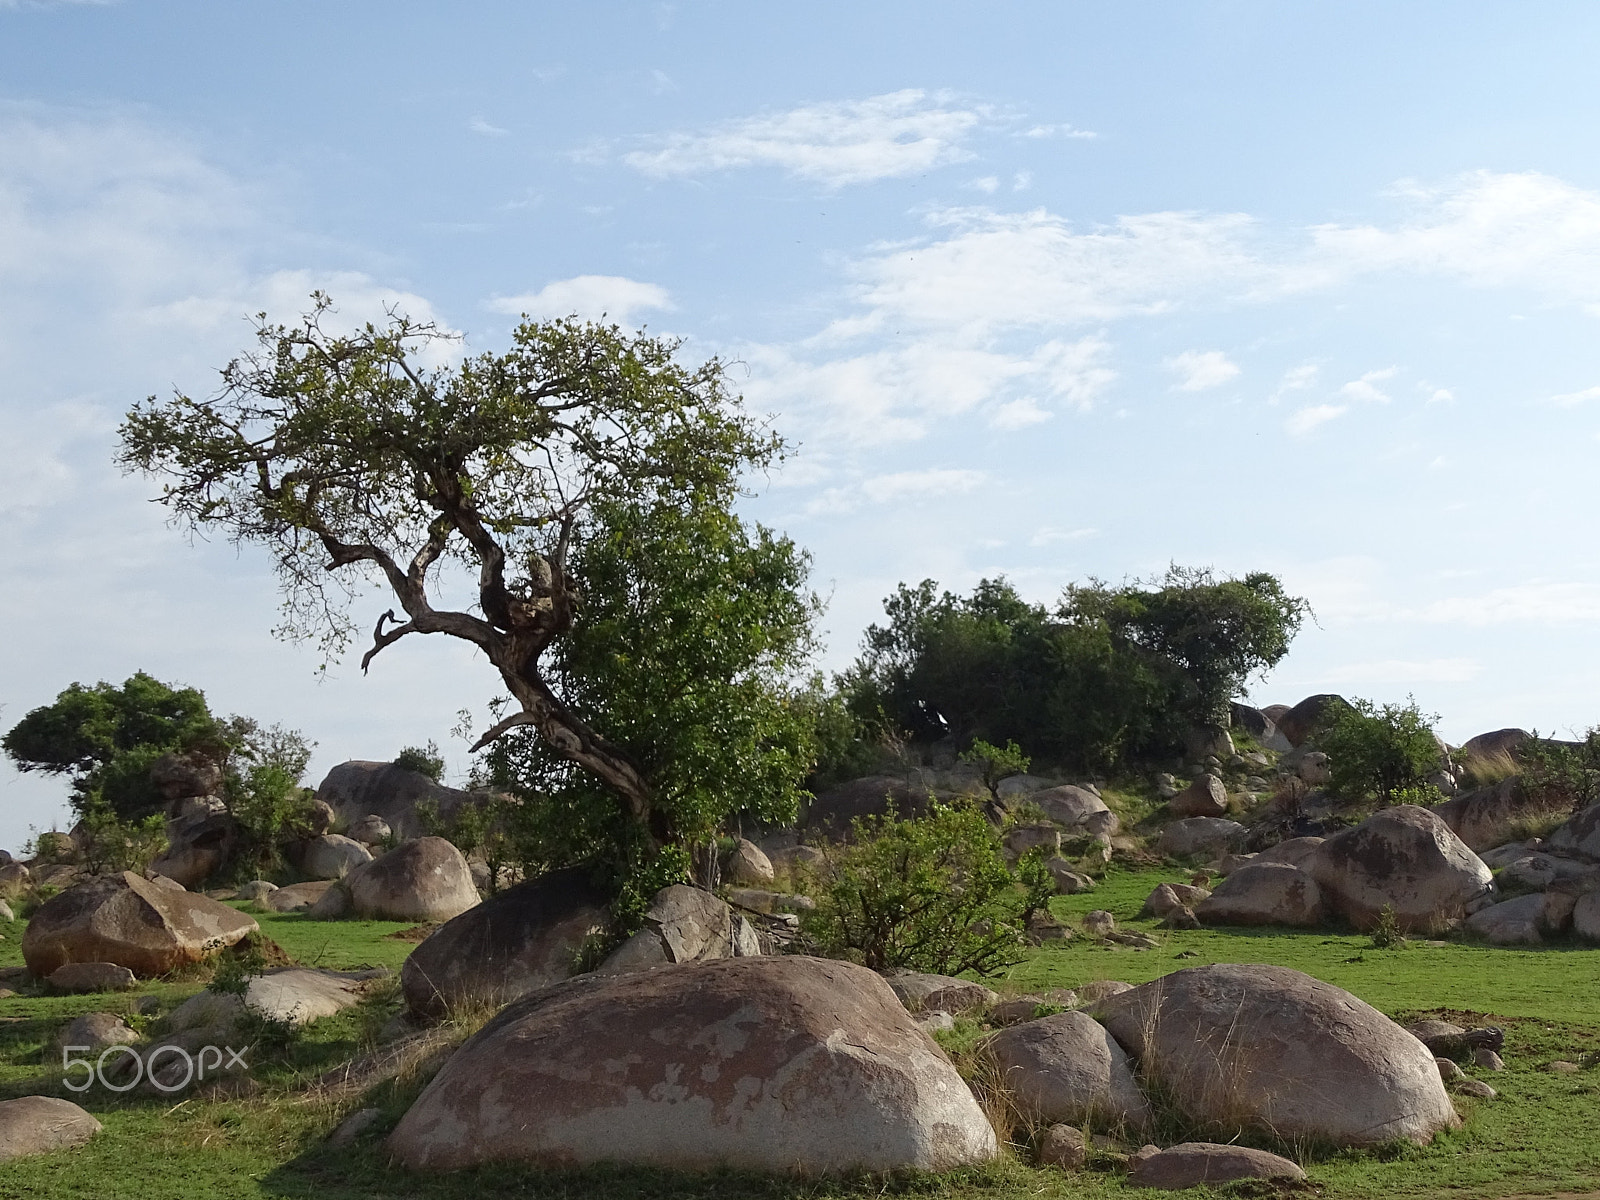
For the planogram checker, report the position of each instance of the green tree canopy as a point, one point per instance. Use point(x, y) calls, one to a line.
point(359, 459)
point(106, 737)
point(1112, 676)
point(1378, 750)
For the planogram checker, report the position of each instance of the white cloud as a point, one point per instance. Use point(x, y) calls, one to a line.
point(1366, 388)
point(1537, 601)
point(1022, 181)
point(1202, 369)
point(1050, 131)
point(1049, 536)
point(1572, 399)
point(897, 487)
point(1441, 396)
point(1405, 671)
point(479, 125)
point(1019, 414)
point(835, 143)
point(988, 184)
point(614, 297)
point(1308, 418)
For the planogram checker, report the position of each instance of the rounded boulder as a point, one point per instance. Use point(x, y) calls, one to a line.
point(1264, 893)
point(1404, 858)
point(786, 1064)
point(1067, 1069)
point(1268, 1050)
point(424, 880)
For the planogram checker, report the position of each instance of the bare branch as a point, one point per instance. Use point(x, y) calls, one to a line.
point(505, 726)
point(380, 639)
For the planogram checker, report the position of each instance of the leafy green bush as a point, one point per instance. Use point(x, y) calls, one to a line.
point(423, 760)
point(931, 893)
point(106, 843)
point(1563, 774)
point(996, 762)
point(1378, 750)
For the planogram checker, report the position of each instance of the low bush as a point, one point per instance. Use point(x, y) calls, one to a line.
point(1378, 751)
point(931, 893)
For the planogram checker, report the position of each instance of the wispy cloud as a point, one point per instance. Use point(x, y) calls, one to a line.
point(1573, 399)
point(834, 143)
point(1366, 388)
point(1310, 417)
point(896, 488)
point(481, 126)
point(1535, 601)
point(1049, 536)
point(1202, 370)
point(614, 297)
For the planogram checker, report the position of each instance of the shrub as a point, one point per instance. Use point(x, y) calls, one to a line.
point(423, 760)
point(996, 762)
point(1376, 750)
point(1563, 774)
point(928, 894)
point(107, 843)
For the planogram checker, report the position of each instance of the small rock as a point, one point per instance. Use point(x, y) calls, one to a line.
point(5, 912)
point(1098, 923)
point(1562, 1067)
point(1475, 1087)
point(1487, 1059)
point(93, 977)
point(40, 1124)
point(1449, 1072)
point(354, 1126)
point(96, 1031)
point(1143, 1152)
point(1069, 882)
point(370, 830)
point(747, 865)
point(1181, 918)
point(935, 1022)
point(1063, 1146)
point(256, 889)
point(1138, 941)
point(1101, 989)
point(1015, 1010)
point(6, 993)
point(1205, 797)
point(1195, 1163)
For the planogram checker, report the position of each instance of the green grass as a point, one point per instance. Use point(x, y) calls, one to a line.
point(1536, 1138)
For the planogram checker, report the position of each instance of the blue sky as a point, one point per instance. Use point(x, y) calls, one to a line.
point(1050, 290)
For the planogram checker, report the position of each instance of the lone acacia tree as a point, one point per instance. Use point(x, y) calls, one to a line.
point(354, 460)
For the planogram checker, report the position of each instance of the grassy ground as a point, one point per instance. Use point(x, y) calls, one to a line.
point(1537, 1138)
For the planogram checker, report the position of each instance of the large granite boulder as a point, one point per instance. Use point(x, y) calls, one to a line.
point(747, 865)
point(1301, 721)
point(1586, 917)
point(40, 1124)
point(198, 845)
point(1297, 851)
point(1524, 920)
point(1075, 807)
point(784, 1064)
point(517, 941)
point(1263, 893)
point(1067, 1069)
point(684, 924)
point(289, 996)
point(1488, 816)
point(1268, 1050)
point(331, 856)
point(921, 992)
point(1200, 837)
point(129, 920)
point(1404, 858)
point(1500, 743)
point(358, 789)
point(180, 776)
point(423, 880)
point(297, 897)
point(1580, 834)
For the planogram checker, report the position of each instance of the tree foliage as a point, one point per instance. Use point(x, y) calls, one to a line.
point(1378, 750)
point(931, 893)
point(106, 737)
point(581, 484)
point(1111, 676)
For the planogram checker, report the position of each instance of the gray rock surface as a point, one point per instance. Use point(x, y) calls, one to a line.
point(1200, 837)
point(359, 788)
point(332, 856)
point(1405, 858)
point(1264, 893)
point(41, 1124)
point(517, 941)
point(1205, 797)
point(784, 1064)
point(1269, 1050)
point(747, 865)
point(296, 897)
point(422, 880)
point(128, 920)
point(1067, 1069)
point(921, 992)
point(1191, 1164)
point(683, 924)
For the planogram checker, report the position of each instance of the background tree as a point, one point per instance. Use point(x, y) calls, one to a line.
point(354, 462)
point(107, 737)
point(1378, 750)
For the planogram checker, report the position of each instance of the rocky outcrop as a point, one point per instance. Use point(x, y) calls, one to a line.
point(1192, 1164)
point(684, 924)
point(128, 920)
point(1264, 893)
point(1199, 837)
point(833, 810)
point(784, 1064)
point(1297, 852)
point(198, 845)
point(517, 941)
point(1523, 921)
point(41, 1124)
point(747, 865)
point(358, 789)
point(1066, 1068)
point(1300, 722)
point(297, 897)
point(1498, 743)
point(1580, 834)
point(1074, 807)
point(1267, 1050)
point(423, 880)
point(1403, 858)
point(1488, 816)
